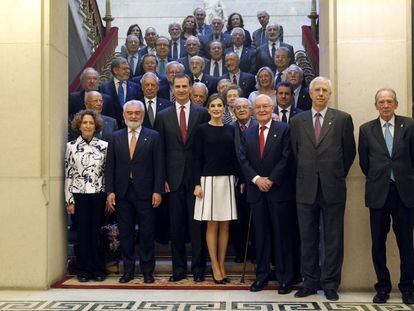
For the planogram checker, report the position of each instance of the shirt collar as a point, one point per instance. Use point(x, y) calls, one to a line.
point(287, 109)
point(137, 130)
point(148, 99)
point(391, 121)
point(178, 106)
point(116, 81)
point(322, 112)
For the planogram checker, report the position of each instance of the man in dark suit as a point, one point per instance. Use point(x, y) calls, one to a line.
point(215, 66)
point(244, 80)
point(171, 70)
point(199, 94)
point(265, 53)
point(153, 104)
point(238, 229)
point(386, 157)
point(284, 108)
point(197, 74)
point(119, 89)
point(192, 46)
point(259, 35)
point(134, 177)
point(149, 63)
point(282, 62)
point(202, 28)
point(177, 44)
point(90, 82)
point(132, 55)
point(246, 55)
point(150, 36)
point(301, 99)
point(265, 153)
point(324, 148)
point(217, 25)
point(176, 125)
point(162, 47)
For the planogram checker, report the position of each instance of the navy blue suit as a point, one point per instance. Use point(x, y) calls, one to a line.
point(207, 67)
point(137, 80)
point(293, 111)
point(225, 39)
point(134, 195)
point(271, 211)
point(304, 100)
point(179, 159)
point(186, 63)
point(247, 59)
point(247, 37)
point(247, 82)
point(209, 81)
point(183, 50)
point(264, 58)
point(115, 110)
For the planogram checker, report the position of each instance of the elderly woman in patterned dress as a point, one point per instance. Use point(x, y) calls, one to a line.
point(85, 192)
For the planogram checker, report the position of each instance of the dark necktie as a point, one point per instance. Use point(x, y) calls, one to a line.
point(121, 96)
point(196, 80)
point(278, 79)
point(216, 71)
point(273, 50)
point(161, 67)
point(234, 79)
point(243, 127)
point(317, 127)
point(175, 51)
point(151, 113)
point(263, 36)
point(261, 140)
point(216, 37)
point(284, 118)
point(183, 125)
point(132, 64)
point(200, 29)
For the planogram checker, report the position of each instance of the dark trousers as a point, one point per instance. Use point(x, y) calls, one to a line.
point(402, 225)
point(274, 236)
point(131, 209)
point(181, 209)
point(329, 275)
point(89, 211)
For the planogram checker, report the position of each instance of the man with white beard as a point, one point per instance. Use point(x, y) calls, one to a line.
point(134, 188)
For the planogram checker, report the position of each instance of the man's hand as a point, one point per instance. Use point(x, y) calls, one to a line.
point(198, 192)
point(156, 199)
point(110, 203)
point(70, 209)
point(263, 184)
point(269, 182)
point(167, 187)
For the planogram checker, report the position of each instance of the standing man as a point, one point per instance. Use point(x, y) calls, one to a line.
point(177, 44)
point(265, 153)
point(259, 35)
point(151, 36)
point(199, 94)
point(119, 89)
point(246, 55)
point(197, 75)
point(217, 25)
point(386, 157)
point(192, 46)
point(284, 108)
point(134, 178)
point(301, 98)
point(282, 62)
point(324, 148)
point(132, 55)
point(202, 28)
point(171, 70)
point(215, 67)
point(162, 46)
point(246, 81)
point(176, 125)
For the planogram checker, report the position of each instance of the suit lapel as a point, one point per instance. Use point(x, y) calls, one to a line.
point(398, 133)
point(270, 136)
point(327, 124)
point(308, 125)
point(192, 118)
point(379, 135)
point(174, 121)
point(255, 140)
point(142, 139)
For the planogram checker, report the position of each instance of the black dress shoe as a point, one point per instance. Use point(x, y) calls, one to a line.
point(83, 278)
point(331, 294)
point(408, 298)
point(305, 292)
point(126, 278)
point(381, 297)
point(257, 286)
point(148, 278)
point(226, 280)
point(99, 278)
point(177, 277)
point(198, 278)
point(284, 289)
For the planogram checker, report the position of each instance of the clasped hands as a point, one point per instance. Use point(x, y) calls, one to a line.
point(264, 184)
point(110, 201)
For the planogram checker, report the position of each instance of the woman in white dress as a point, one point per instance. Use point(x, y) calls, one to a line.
point(214, 173)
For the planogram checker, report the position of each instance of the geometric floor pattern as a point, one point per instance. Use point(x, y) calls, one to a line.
point(198, 305)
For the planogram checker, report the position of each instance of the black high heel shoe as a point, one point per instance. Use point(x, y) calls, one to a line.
point(216, 281)
point(226, 280)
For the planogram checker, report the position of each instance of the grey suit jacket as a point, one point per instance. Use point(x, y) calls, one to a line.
point(327, 162)
point(376, 162)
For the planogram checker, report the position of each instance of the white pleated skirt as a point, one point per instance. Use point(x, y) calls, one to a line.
point(219, 201)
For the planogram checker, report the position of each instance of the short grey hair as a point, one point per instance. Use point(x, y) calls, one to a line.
point(85, 71)
point(264, 96)
point(134, 102)
point(242, 100)
point(296, 68)
point(149, 75)
point(200, 85)
point(320, 79)
point(174, 63)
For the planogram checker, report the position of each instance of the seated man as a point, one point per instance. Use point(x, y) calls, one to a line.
point(216, 66)
point(301, 100)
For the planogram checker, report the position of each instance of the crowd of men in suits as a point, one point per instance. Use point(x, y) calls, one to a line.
point(295, 157)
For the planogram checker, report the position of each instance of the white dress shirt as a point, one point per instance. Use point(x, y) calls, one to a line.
point(392, 125)
point(287, 113)
point(136, 61)
point(238, 50)
point(153, 104)
point(321, 117)
point(270, 46)
point(296, 95)
point(212, 63)
point(186, 111)
point(124, 86)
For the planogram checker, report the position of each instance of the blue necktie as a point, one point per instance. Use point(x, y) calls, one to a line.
point(389, 142)
point(216, 70)
point(121, 96)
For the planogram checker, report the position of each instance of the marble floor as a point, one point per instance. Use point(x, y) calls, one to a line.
point(177, 300)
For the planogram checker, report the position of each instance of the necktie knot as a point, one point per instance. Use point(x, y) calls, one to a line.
point(120, 83)
point(242, 127)
point(262, 128)
point(387, 124)
point(284, 110)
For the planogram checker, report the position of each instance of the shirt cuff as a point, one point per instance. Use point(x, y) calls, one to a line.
point(255, 178)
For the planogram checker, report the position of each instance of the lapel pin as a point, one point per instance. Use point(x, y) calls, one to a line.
point(145, 139)
point(274, 135)
point(330, 123)
point(402, 125)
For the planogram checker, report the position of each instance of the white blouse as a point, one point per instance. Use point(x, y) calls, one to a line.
point(84, 167)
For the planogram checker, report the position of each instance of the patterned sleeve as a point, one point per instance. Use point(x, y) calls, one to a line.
point(69, 168)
